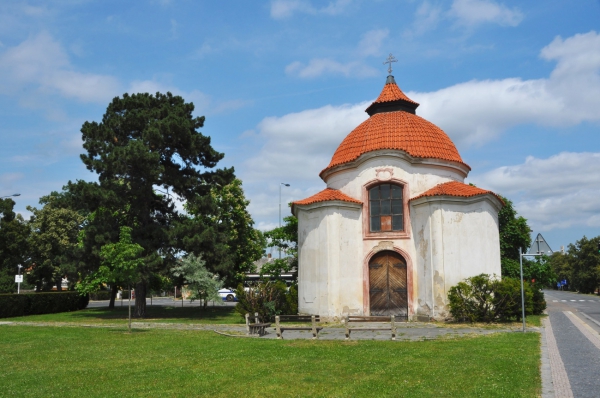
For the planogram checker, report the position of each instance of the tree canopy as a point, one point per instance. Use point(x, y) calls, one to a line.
point(580, 265)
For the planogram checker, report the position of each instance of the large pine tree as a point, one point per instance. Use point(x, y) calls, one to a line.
point(147, 151)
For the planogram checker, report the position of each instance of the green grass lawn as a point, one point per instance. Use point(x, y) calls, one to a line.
point(84, 362)
point(155, 313)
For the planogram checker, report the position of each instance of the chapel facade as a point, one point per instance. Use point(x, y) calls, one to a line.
point(396, 227)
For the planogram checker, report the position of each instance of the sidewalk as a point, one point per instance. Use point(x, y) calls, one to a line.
point(574, 373)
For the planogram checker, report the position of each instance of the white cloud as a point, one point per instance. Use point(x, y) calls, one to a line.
point(301, 144)
point(203, 103)
point(281, 9)
point(320, 66)
point(371, 42)
point(8, 179)
point(478, 111)
point(369, 45)
point(43, 63)
point(558, 192)
point(427, 18)
point(476, 12)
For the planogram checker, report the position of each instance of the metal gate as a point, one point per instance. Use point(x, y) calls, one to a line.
point(388, 285)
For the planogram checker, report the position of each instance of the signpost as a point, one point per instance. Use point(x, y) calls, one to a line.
point(521, 255)
point(19, 279)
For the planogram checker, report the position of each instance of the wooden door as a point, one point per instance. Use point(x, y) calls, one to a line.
point(388, 285)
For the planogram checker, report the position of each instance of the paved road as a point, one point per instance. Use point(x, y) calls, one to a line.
point(165, 301)
point(573, 335)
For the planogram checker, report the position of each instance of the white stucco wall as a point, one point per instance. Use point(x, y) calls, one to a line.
point(329, 244)
point(456, 238)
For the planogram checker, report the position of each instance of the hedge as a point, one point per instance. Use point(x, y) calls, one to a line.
point(12, 305)
point(100, 295)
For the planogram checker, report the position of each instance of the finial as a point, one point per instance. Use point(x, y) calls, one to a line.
point(389, 61)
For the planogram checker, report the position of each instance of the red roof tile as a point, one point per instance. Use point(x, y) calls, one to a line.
point(396, 130)
point(326, 195)
point(455, 188)
point(391, 92)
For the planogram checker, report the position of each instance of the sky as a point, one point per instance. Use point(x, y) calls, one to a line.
point(516, 86)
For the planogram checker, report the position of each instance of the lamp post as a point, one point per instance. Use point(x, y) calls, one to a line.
point(285, 185)
point(8, 196)
point(521, 255)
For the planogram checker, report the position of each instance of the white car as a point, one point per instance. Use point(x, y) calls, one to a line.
point(227, 295)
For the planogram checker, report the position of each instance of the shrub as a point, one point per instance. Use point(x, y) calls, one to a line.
point(472, 299)
point(507, 299)
point(267, 298)
point(12, 305)
point(483, 298)
point(539, 303)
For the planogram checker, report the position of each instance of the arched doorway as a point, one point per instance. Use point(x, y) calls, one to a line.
point(388, 293)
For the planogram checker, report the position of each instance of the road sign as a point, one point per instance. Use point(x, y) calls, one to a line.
point(18, 278)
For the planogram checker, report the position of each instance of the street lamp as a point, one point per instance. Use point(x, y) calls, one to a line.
point(521, 255)
point(8, 196)
point(285, 185)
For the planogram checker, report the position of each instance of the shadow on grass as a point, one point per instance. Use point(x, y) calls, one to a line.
point(171, 313)
point(163, 314)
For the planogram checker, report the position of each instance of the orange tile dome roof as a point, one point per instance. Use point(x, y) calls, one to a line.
point(393, 125)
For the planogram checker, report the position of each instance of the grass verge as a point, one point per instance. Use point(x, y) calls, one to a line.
point(78, 362)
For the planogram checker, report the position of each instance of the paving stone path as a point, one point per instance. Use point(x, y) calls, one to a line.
point(413, 331)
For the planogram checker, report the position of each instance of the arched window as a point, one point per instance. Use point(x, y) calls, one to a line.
point(386, 208)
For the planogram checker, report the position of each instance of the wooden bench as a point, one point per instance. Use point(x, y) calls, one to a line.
point(256, 327)
point(313, 319)
point(371, 319)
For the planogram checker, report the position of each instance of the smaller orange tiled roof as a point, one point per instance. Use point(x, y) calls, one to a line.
point(455, 188)
point(391, 92)
point(326, 195)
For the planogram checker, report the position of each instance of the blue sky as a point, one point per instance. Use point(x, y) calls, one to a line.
point(516, 85)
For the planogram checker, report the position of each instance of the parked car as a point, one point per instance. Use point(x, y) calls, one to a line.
point(227, 295)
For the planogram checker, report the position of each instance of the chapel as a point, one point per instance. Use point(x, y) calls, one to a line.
point(396, 227)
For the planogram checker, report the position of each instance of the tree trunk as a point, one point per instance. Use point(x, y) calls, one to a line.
point(113, 294)
point(140, 300)
point(59, 284)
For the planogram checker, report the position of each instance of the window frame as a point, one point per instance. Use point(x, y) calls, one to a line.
point(367, 233)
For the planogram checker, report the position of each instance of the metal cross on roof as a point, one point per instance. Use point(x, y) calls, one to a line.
point(389, 60)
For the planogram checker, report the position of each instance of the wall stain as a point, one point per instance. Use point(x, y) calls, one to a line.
point(423, 243)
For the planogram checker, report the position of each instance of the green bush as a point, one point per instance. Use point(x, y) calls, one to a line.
point(472, 299)
point(12, 305)
point(539, 303)
point(267, 298)
point(483, 298)
point(507, 299)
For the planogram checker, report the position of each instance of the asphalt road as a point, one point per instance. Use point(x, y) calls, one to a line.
point(165, 301)
point(581, 358)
